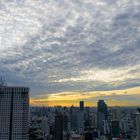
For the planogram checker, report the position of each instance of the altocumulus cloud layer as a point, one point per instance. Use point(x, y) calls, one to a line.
point(70, 45)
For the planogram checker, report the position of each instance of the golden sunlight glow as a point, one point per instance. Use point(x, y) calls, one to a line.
point(115, 97)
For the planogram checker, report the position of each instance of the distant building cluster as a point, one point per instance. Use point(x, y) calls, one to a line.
point(19, 122)
point(85, 123)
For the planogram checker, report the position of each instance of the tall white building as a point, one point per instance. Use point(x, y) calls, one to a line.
point(14, 113)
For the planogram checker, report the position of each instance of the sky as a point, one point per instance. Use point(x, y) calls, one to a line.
point(71, 50)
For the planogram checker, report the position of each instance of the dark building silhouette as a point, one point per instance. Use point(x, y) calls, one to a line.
point(88, 135)
point(96, 134)
point(102, 107)
point(101, 114)
point(115, 128)
point(81, 105)
point(87, 119)
point(73, 117)
point(61, 122)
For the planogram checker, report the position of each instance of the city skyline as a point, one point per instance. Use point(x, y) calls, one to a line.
point(67, 51)
point(19, 121)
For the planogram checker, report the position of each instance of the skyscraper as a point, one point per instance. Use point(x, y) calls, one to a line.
point(138, 124)
point(73, 118)
point(100, 120)
point(106, 129)
point(14, 113)
point(80, 122)
point(61, 122)
point(102, 107)
point(101, 114)
point(81, 105)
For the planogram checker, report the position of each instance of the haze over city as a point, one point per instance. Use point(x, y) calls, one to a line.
point(72, 50)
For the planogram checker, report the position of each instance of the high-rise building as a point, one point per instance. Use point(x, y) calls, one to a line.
point(14, 113)
point(77, 118)
point(73, 118)
point(100, 120)
point(44, 127)
point(80, 122)
point(81, 105)
point(101, 114)
point(106, 129)
point(61, 122)
point(138, 124)
point(115, 128)
point(124, 126)
point(102, 107)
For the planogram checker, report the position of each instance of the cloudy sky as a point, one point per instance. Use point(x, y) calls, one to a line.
point(71, 50)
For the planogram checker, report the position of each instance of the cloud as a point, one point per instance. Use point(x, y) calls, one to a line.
point(107, 76)
point(127, 97)
point(65, 46)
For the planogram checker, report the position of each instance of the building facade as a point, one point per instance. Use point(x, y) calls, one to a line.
point(81, 105)
point(138, 124)
point(61, 125)
point(14, 113)
point(101, 114)
point(102, 107)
